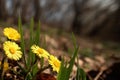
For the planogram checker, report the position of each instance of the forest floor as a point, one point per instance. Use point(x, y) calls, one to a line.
point(99, 58)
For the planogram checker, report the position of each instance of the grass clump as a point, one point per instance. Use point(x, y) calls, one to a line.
point(27, 61)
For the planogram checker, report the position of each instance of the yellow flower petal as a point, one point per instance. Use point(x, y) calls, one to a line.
point(55, 63)
point(12, 50)
point(11, 33)
point(39, 51)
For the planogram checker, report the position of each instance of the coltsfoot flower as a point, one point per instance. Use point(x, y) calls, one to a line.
point(40, 51)
point(5, 66)
point(55, 63)
point(11, 33)
point(12, 50)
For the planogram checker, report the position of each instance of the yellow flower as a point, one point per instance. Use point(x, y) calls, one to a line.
point(12, 50)
point(11, 33)
point(5, 66)
point(39, 51)
point(54, 62)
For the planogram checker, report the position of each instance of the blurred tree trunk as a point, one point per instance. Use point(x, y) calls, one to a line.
point(2, 8)
point(37, 10)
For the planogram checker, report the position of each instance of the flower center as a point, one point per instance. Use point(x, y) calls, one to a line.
point(56, 64)
point(12, 50)
point(40, 51)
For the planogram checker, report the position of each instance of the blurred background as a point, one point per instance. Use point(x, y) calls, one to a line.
point(96, 24)
point(84, 17)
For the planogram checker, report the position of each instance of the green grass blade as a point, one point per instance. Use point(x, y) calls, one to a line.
point(62, 73)
point(41, 62)
point(74, 41)
point(22, 39)
point(35, 69)
point(65, 72)
point(80, 74)
point(31, 55)
point(37, 36)
point(72, 61)
point(31, 29)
